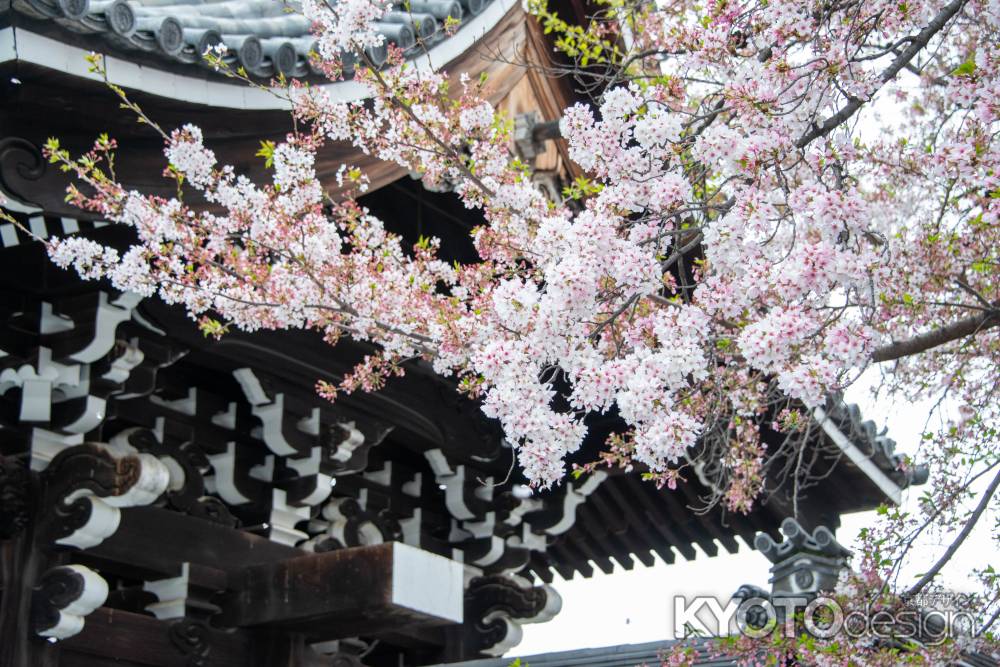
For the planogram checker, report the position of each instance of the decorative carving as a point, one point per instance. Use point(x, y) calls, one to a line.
point(230, 480)
point(19, 160)
point(275, 433)
point(186, 489)
point(561, 520)
point(303, 480)
point(498, 530)
point(351, 525)
point(15, 496)
point(495, 608)
point(65, 363)
point(86, 484)
point(804, 563)
point(191, 638)
point(459, 495)
point(63, 597)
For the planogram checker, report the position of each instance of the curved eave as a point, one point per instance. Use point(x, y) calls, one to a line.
point(24, 45)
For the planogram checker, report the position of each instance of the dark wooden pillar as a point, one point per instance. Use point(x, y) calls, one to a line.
point(22, 563)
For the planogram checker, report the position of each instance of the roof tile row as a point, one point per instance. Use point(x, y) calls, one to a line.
point(266, 37)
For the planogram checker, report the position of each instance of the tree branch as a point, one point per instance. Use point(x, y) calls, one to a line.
point(966, 529)
point(923, 342)
point(902, 60)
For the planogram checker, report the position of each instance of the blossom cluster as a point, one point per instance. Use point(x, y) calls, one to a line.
point(740, 229)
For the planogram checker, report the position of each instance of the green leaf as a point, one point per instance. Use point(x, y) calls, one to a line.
point(267, 152)
point(967, 68)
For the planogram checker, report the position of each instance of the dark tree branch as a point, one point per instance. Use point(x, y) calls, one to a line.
point(966, 530)
point(989, 623)
point(931, 339)
point(902, 60)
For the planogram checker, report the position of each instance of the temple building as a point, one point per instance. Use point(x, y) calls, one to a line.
point(172, 500)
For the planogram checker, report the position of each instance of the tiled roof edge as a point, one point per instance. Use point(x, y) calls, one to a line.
point(192, 84)
point(265, 37)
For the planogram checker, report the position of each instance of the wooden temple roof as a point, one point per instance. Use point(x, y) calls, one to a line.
point(171, 500)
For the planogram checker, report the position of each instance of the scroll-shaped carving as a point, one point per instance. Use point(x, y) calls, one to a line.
point(63, 597)
point(63, 365)
point(290, 428)
point(495, 608)
point(186, 489)
point(15, 496)
point(191, 638)
point(86, 485)
point(498, 528)
point(20, 161)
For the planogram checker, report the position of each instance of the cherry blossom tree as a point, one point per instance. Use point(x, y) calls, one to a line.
point(779, 195)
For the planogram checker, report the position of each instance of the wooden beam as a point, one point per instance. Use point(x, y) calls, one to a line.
point(121, 637)
point(152, 540)
point(348, 592)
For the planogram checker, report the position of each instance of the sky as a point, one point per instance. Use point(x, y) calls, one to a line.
point(629, 607)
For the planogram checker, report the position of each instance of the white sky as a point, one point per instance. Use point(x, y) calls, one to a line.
point(629, 607)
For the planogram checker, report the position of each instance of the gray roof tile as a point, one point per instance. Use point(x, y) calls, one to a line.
point(866, 435)
point(266, 37)
point(625, 655)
